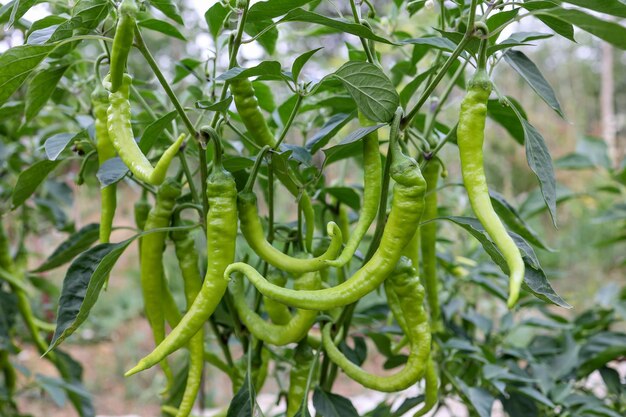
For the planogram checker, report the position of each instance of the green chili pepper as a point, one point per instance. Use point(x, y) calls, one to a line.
point(252, 229)
point(151, 258)
point(279, 335)
point(8, 371)
point(428, 233)
point(221, 235)
point(277, 312)
point(406, 212)
point(188, 263)
point(121, 135)
point(431, 392)
point(409, 294)
point(122, 42)
point(470, 137)
point(372, 184)
point(298, 378)
point(248, 108)
point(106, 151)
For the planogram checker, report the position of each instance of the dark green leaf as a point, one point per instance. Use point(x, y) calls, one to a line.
point(169, 9)
point(534, 279)
point(29, 180)
point(574, 161)
point(56, 144)
point(269, 9)
point(612, 7)
point(348, 145)
point(154, 130)
point(40, 88)
point(435, 42)
point(506, 117)
point(328, 131)
point(529, 71)
point(345, 195)
point(215, 17)
point(479, 398)
point(244, 402)
point(112, 171)
point(301, 15)
point(265, 68)
point(72, 246)
point(328, 404)
point(559, 26)
point(163, 27)
point(268, 39)
point(518, 39)
point(299, 62)
point(373, 92)
point(82, 285)
point(219, 106)
point(88, 14)
point(16, 64)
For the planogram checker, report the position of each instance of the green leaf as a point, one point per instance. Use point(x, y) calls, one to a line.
point(299, 62)
point(370, 88)
point(19, 9)
point(154, 130)
point(215, 18)
point(328, 404)
point(412, 86)
point(559, 26)
point(479, 398)
point(163, 27)
point(88, 14)
point(40, 88)
point(265, 97)
point(535, 279)
point(265, 68)
point(269, 9)
point(612, 7)
point(328, 131)
point(16, 65)
point(301, 15)
point(434, 42)
point(169, 9)
point(611, 32)
point(574, 161)
point(29, 180)
point(599, 350)
point(346, 195)
point(540, 161)
point(244, 402)
point(82, 285)
point(72, 246)
point(185, 67)
point(56, 144)
point(506, 117)
point(348, 145)
point(535, 395)
point(529, 71)
point(112, 171)
point(218, 106)
point(517, 39)
point(268, 39)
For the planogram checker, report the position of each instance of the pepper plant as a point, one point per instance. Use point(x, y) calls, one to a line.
point(240, 153)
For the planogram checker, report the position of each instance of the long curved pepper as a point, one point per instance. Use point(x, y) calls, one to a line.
point(122, 42)
point(121, 134)
point(221, 232)
point(276, 334)
point(372, 186)
point(252, 229)
point(470, 138)
point(404, 283)
point(406, 212)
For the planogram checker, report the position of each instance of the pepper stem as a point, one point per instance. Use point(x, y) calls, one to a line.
point(255, 168)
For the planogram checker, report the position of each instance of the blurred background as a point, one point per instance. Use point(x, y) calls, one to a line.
point(586, 268)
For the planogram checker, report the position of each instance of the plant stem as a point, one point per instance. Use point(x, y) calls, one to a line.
point(292, 117)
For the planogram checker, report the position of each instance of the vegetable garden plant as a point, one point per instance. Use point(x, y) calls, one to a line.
point(284, 261)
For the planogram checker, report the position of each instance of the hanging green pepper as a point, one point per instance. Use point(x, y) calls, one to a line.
point(431, 392)
point(151, 258)
point(121, 135)
point(106, 151)
point(406, 212)
point(188, 262)
point(252, 229)
point(409, 295)
point(279, 335)
point(428, 233)
point(470, 138)
point(248, 108)
point(372, 184)
point(221, 233)
point(122, 42)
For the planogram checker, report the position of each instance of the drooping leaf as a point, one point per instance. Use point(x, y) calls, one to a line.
point(154, 130)
point(169, 9)
point(56, 144)
point(529, 71)
point(328, 404)
point(163, 27)
point(111, 171)
point(16, 64)
point(506, 117)
point(72, 246)
point(82, 285)
point(348, 145)
point(300, 61)
point(215, 17)
point(265, 68)
point(40, 88)
point(30, 179)
point(332, 126)
point(370, 88)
